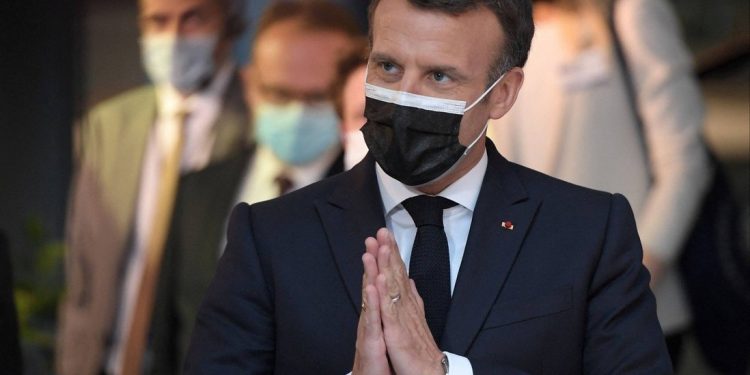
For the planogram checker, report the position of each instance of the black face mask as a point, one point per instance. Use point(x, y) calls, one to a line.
point(414, 138)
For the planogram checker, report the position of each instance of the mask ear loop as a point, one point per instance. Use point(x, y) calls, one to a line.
point(483, 94)
point(486, 124)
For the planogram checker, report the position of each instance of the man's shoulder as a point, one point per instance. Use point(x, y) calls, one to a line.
point(125, 102)
point(540, 183)
point(293, 203)
point(560, 194)
point(124, 118)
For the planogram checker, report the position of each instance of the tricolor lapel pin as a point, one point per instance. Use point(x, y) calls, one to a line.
point(507, 225)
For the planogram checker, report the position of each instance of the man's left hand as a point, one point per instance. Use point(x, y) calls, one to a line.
point(410, 345)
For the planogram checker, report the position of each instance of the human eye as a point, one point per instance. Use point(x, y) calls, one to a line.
point(388, 67)
point(155, 22)
point(275, 95)
point(440, 77)
point(194, 20)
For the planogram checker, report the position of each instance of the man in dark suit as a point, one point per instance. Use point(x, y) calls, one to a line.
point(479, 266)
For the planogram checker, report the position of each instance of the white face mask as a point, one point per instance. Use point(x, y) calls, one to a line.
point(183, 62)
point(355, 148)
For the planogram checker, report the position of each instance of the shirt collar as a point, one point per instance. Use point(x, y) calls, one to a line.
point(300, 175)
point(463, 191)
point(303, 175)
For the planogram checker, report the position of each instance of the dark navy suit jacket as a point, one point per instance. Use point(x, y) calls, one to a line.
point(564, 292)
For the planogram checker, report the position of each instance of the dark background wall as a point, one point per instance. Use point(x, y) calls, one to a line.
point(40, 93)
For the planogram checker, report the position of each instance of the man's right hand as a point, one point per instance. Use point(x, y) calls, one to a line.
point(370, 356)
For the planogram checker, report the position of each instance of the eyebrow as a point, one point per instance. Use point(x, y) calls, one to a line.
point(381, 57)
point(196, 9)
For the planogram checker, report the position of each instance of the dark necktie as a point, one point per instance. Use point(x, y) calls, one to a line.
point(429, 266)
point(285, 183)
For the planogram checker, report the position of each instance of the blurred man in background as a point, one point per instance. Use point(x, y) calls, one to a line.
point(289, 82)
point(349, 92)
point(132, 151)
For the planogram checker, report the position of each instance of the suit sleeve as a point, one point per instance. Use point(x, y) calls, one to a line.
point(622, 332)
point(671, 108)
point(75, 310)
point(234, 331)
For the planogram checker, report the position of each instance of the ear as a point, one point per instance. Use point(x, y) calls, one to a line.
point(505, 93)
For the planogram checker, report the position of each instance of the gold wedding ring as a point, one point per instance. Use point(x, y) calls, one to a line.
point(395, 298)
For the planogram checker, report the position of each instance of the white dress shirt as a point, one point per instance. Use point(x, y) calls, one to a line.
point(202, 109)
point(456, 222)
point(260, 183)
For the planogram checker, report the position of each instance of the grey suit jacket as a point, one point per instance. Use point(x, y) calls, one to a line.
point(110, 145)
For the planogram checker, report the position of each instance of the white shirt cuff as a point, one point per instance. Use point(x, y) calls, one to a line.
point(458, 365)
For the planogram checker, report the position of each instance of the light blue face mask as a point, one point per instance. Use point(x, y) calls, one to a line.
point(297, 133)
point(183, 62)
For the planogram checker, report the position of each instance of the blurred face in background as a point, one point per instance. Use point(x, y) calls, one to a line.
point(289, 89)
point(182, 17)
point(183, 41)
point(353, 117)
point(353, 101)
point(293, 64)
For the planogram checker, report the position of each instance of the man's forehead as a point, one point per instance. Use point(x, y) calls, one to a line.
point(434, 37)
point(289, 43)
point(299, 59)
point(176, 6)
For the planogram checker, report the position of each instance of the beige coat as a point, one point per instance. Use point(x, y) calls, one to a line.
point(111, 144)
point(572, 120)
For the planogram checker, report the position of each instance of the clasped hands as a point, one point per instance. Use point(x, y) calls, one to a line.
point(392, 333)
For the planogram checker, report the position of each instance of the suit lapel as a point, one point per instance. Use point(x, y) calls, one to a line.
point(490, 252)
point(353, 212)
point(232, 129)
point(125, 149)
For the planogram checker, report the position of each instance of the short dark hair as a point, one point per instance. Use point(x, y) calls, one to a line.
point(348, 64)
point(234, 17)
point(315, 15)
point(515, 17)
